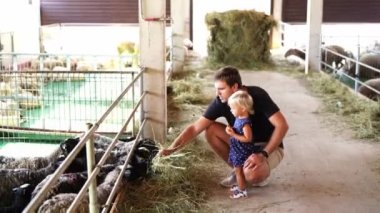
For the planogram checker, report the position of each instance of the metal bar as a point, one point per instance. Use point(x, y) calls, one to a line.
point(118, 180)
point(68, 67)
point(90, 155)
point(102, 160)
point(62, 54)
point(357, 67)
point(133, 104)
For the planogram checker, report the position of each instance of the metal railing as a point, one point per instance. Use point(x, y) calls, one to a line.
point(351, 43)
point(355, 77)
point(36, 201)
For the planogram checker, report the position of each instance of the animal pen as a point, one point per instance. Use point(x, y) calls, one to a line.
point(45, 101)
point(42, 105)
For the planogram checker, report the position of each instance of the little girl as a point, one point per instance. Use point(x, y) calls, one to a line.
point(241, 145)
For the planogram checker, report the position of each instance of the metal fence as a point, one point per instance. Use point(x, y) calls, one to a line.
point(61, 101)
point(351, 73)
point(50, 100)
point(94, 170)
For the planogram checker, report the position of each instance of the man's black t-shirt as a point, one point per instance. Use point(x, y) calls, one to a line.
point(263, 106)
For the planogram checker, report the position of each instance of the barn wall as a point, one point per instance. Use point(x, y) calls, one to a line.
point(91, 11)
point(334, 11)
point(22, 18)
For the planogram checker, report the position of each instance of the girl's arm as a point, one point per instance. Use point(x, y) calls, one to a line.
point(247, 134)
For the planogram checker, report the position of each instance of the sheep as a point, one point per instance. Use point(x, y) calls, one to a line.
point(6, 89)
point(21, 197)
point(15, 172)
point(15, 177)
point(33, 163)
point(139, 167)
point(30, 83)
point(375, 83)
point(28, 101)
point(10, 113)
point(295, 52)
point(61, 202)
point(330, 58)
point(67, 183)
point(365, 73)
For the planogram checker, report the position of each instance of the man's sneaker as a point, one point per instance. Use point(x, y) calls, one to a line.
point(229, 181)
point(262, 183)
point(239, 194)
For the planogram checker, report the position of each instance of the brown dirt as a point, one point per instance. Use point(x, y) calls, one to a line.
point(324, 169)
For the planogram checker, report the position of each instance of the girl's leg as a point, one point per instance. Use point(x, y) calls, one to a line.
point(240, 177)
point(240, 191)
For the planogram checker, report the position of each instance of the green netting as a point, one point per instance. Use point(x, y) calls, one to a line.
point(239, 38)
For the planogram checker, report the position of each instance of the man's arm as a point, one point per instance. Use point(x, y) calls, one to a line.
point(280, 129)
point(187, 135)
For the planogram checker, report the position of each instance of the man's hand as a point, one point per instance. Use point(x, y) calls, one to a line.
point(253, 161)
point(166, 152)
point(256, 168)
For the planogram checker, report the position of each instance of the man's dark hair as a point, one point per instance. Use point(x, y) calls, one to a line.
point(228, 74)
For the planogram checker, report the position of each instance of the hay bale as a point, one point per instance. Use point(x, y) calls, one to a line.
point(239, 38)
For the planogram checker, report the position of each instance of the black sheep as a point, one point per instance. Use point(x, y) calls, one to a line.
point(21, 196)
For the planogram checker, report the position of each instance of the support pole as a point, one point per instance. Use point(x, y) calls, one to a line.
point(276, 31)
point(178, 30)
point(152, 22)
point(314, 22)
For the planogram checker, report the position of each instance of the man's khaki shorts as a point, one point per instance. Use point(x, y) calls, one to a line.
point(275, 158)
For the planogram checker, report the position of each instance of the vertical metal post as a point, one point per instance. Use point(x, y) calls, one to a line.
point(1, 56)
point(16, 78)
point(42, 76)
point(93, 206)
point(142, 112)
point(133, 105)
point(357, 66)
point(12, 43)
point(68, 67)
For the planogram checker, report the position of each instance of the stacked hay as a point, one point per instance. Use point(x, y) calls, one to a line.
point(239, 38)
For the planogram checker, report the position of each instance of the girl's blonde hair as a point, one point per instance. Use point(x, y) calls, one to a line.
point(243, 99)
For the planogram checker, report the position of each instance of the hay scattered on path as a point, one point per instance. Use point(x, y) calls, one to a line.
point(358, 113)
point(181, 181)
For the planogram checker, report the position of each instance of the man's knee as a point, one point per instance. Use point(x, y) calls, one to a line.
point(257, 174)
point(216, 129)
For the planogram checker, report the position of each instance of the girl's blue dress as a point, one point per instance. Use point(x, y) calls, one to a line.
point(240, 151)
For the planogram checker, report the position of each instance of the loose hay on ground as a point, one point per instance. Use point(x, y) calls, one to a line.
point(181, 181)
point(359, 114)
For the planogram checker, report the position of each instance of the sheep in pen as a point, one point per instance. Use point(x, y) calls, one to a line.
point(23, 178)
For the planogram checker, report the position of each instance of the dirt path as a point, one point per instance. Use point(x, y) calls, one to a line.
point(324, 169)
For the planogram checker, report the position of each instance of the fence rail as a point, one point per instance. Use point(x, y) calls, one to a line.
point(356, 76)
